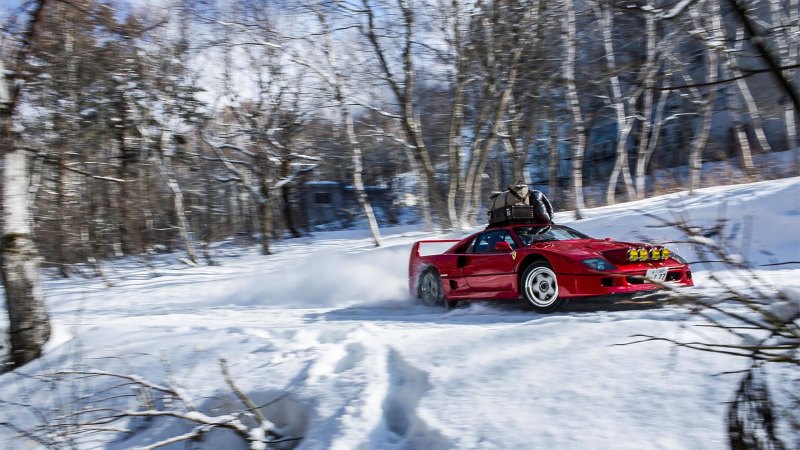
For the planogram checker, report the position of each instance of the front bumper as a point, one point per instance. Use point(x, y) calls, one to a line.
point(618, 282)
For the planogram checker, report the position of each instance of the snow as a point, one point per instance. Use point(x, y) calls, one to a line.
point(324, 333)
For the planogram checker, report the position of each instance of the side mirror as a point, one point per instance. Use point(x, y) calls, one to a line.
point(503, 246)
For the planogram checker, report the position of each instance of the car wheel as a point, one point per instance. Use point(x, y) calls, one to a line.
point(430, 289)
point(540, 287)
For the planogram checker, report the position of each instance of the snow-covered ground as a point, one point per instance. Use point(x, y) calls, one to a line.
point(328, 321)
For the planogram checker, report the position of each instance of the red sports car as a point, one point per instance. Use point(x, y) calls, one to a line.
point(541, 264)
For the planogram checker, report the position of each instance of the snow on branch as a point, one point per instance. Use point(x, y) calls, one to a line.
point(383, 133)
point(103, 411)
point(677, 9)
point(237, 174)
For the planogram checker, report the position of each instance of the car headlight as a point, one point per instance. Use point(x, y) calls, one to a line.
point(598, 264)
point(633, 254)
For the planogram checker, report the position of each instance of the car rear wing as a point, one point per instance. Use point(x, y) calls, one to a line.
point(415, 249)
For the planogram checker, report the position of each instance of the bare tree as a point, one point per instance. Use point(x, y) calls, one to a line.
point(709, 99)
point(496, 95)
point(335, 83)
point(646, 134)
point(624, 107)
point(578, 131)
point(786, 27)
point(123, 404)
point(746, 94)
point(454, 139)
point(402, 88)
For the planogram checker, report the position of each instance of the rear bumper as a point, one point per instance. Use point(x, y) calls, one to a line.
point(599, 284)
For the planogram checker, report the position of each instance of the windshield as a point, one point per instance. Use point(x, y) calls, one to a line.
point(529, 235)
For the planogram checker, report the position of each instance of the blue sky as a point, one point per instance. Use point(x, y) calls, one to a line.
point(8, 5)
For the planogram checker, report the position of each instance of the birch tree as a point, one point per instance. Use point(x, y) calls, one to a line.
point(455, 142)
point(624, 108)
point(578, 136)
point(785, 18)
point(402, 88)
point(712, 70)
point(501, 64)
point(29, 323)
point(744, 89)
point(335, 83)
point(166, 101)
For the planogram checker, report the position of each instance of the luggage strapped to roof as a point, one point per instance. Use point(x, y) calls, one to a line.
point(530, 207)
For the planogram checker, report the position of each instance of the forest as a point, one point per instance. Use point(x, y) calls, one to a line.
point(177, 124)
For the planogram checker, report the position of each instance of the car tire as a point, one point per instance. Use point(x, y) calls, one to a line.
point(430, 290)
point(539, 287)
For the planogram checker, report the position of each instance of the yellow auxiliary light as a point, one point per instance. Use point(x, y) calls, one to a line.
point(633, 255)
point(665, 254)
point(642, 254)
point(655, 253)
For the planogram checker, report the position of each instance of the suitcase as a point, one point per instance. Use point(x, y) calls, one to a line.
point(516, 214)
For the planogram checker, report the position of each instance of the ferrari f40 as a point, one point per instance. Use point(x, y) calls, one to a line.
point(542, 265)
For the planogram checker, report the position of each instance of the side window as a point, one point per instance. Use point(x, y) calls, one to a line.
point(486, 242)
point(469, 248)
point(482, 242)
point(507, 237)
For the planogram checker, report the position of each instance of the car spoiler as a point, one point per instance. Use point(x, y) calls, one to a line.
point(418, 244)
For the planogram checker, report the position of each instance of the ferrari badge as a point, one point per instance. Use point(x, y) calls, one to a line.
point(514, 255)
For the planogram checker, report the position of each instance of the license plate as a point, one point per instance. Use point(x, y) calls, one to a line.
point(657, 274)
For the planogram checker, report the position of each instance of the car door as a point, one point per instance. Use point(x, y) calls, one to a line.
point(486, 269)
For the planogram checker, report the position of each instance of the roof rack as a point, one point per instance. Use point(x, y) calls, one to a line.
point(517, 222)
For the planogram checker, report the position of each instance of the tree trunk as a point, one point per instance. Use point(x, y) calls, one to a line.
point(553, 158)
point(646, 134)
point(355, 145)
point(743, 143)
point(29, 324)
point(454, 138)
point(358, 169)
point(358, 183)
point(643, 163)
point(286, 197)
point(209, 215)
point(410, 121)
point(744, 89)
point(700, 141)
point(578, 136)
point(788, 49)
point(126, 230)
point(421, 190)
point(265, 214)
point(165, 165)
point(624, 122)
point(476, 148)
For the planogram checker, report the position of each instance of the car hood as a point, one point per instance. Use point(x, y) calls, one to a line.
point(613, 251)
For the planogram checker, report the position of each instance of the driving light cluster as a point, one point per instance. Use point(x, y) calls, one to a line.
point(653, 254)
